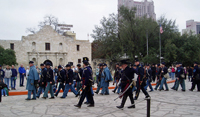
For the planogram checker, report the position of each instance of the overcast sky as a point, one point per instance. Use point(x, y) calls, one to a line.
point(17, 15)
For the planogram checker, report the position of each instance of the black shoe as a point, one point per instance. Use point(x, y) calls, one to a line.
point(150, 90)
point(33, 99)
point(190, 90)
point(44, 97)
point(77, 95)
point(132, 106)
point(27, 99)
point(172, 88)
point(155, 88)
point(96, 92)
point(113, 91)
point(159, 89)
point(77, 106)
point(52, 98)
point(55, 95)
point(91, 105)
point(86, 103)
point(101, 93)
point(107, 94)
point(183, 90)
point(37, 97)
point(167, 90)
point(134, 98)
point(147, 97)
point(62, 97)
point(120, 107)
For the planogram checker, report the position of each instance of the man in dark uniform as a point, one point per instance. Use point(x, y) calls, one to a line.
point(153, 69)
point(189, 74)
point(86, 84)
point(126, 80)
point(99, 78)
point(50, 82)
point(117, 76)
point(180, 79)
point(149, 78)
point(78, 80)
point(69, 82)
point(164, 80)
point(141, 81)
point(60, 79)
point(42, 81)
point(159, 69)
point(195, 78)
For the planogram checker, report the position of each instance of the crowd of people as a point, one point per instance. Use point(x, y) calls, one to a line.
point(80, 80)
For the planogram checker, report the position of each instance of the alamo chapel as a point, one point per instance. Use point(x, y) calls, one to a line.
point(49, 46)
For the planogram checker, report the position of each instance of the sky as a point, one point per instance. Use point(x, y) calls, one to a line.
point(17, 15)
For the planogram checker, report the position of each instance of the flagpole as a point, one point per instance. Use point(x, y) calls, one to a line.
point(160, 44)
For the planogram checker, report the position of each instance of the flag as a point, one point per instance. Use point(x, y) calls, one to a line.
point(161, 29)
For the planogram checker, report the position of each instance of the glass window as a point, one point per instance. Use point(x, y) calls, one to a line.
point(47, 46)
point(12, 46)
point(78, 47)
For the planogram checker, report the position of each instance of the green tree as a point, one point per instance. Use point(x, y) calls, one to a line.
point(7, 57)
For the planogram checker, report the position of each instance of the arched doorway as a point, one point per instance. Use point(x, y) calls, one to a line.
point(49, 62)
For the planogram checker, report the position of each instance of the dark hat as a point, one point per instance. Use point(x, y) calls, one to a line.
point(78, 65)
point(158, 64)
point(59, 66)
point(104, 64)
point(31, 62)
point(117, 63)
point(153, 64)
point(85, 60)
point(163, 63)
point(100, 64)
point(41, 64)
point(136, 60)
point(71, 63)
point(68, 65)
point(47, 63)
point(147, 65)
point(195, 62)
point(125, 61)
point(134, 65)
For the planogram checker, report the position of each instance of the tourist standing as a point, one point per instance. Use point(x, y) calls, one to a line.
point(22, 72)
point(13, 77)
point(8, 74)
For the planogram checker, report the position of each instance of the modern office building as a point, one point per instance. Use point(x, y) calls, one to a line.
point(144, 7)
point(192, 26)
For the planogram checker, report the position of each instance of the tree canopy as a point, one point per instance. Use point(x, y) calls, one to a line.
point(124, 34)
point(7, 57)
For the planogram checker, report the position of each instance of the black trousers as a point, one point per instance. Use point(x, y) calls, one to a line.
point(141, 86)
point(194, 83)
point(127, 94)
point(86, 92)
point(154, 77)
point(0, 95)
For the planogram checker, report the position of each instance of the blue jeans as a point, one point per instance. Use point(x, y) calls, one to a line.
point(40, 91)
point(6, 80)
point(189, 78)
point(78, 86)
point(181, 82)
point(21, 80)
point(74, 82)
point(3, 90)
point(67, 87)
point(13, 82)
point(105, 90)
point(164, 81)
point(148, 84)
point(34, 93)
point(60, 86)
point(157, 85)
point(49, 87)
point(119, 88)
point(173, 75)
point(56, 78)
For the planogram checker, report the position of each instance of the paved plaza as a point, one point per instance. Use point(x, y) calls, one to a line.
point(163, 104)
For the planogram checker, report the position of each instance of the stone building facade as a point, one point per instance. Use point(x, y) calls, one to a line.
point(48, 46)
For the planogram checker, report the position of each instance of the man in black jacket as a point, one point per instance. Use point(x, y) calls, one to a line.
point(164, 80)
point(153, 69)
point(195, 78)
point(78, 79)
point(60, 79)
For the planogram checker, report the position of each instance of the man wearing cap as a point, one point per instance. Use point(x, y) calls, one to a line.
point(126, 80)
point(86, 84)
point(180, 79)
point(140, 81)
point(99, 78)
point(78, 79)
point(164, 79)
point(69, 82)
point(60, 79)
point(107, 78)
point(50, 82)
point(149, 78)
point(32, 77)
point(159, 78)
point(42, 81)
point(195, 78)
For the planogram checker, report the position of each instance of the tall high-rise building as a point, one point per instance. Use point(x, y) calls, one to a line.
point(193, 26)
point(144, 8)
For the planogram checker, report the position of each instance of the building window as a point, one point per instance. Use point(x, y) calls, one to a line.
point(12, 46)
point(78, 47)
point(47, 46)
point(79, 60)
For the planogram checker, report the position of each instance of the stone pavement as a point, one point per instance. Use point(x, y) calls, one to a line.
point(163, 104)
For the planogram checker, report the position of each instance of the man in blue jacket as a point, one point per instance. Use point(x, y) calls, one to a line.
point(22, 72)
point(69, 82)
point(32, 77)
point(13, 77)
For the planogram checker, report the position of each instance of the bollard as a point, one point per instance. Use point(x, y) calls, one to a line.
point(148, 107)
